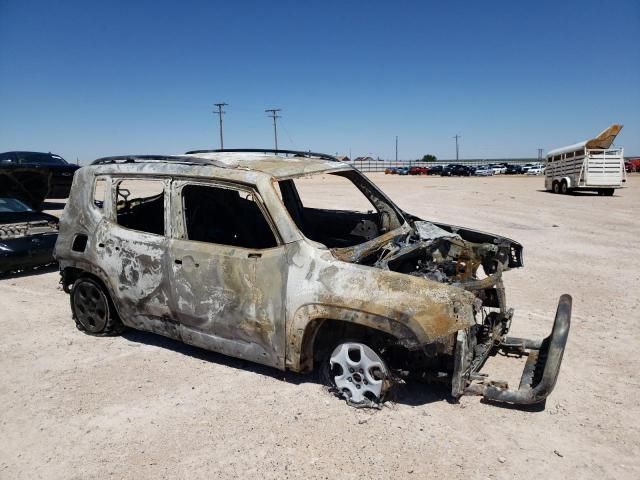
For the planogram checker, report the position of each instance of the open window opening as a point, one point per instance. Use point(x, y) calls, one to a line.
point(140, 205)
point(99, 192)
point(339, 209)
point(225, 216)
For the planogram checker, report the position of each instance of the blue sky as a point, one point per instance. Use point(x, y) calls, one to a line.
point(87, 79)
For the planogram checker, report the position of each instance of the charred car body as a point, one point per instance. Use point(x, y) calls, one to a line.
point(224, 250)
point(27, 237)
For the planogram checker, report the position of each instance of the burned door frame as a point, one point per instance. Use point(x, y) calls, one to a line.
point(135, 262)
point(228, 298)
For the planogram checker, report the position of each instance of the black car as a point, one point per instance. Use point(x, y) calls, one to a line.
point(61, 172)
point(27, 237)
point(435, 170)
point(457, 171)
point(514, 169)
point(29, 184)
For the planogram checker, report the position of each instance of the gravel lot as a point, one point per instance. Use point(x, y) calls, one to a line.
point(141, 406)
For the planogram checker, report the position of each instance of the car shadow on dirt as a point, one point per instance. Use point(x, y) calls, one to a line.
point(535, 408)
point(412, 394)
point(574, 193)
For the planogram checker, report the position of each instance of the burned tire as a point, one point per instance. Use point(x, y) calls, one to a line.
point(356, 373)
point(556, 187)
point(93, 310)
point(564, 188)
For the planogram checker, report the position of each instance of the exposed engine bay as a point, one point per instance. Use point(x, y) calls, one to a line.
point(18, 230)
point(460, 257)
point(453, 255)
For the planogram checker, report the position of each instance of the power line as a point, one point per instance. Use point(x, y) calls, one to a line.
point(283, 126)
point(221, 112)
point(457, 150)
point(273, 113)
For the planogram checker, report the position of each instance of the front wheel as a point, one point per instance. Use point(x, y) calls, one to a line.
point(358, 374)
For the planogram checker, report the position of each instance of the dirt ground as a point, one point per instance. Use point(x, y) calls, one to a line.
point(141, 406)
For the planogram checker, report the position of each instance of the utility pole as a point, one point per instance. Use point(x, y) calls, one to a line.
point(273, 113)
point(396, 149)
point(220, 112)
point(457, 137)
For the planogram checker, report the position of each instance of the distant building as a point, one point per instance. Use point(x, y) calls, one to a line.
point(363, 159)
point(343, 158)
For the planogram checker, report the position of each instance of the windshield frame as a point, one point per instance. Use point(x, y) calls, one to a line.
point(377, 198)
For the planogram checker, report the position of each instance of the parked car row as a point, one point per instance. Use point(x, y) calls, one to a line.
point(459, 170)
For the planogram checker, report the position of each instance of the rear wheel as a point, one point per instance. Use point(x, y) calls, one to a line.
point(92, 309)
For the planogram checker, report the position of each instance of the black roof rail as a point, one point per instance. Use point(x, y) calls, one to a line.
point(155, 159)
point(298, 153)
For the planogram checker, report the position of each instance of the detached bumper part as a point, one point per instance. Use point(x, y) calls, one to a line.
point(542, 367)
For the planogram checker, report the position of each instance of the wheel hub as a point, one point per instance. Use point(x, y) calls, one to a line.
point(359, 373)
point(91, 308)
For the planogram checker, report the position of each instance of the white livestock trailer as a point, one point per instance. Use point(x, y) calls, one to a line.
point(592, 165)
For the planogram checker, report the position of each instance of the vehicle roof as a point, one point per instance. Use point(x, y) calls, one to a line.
point(27, 151)
point(240, 166)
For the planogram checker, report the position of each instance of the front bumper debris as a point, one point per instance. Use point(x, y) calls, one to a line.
point(540, 373)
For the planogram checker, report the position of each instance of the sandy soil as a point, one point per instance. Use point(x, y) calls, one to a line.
point(140, 406)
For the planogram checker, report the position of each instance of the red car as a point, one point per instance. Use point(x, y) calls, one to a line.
point(418, 171)
point(632, 165)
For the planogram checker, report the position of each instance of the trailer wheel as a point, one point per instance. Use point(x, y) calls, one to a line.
point(564, 189)
point(556, 187)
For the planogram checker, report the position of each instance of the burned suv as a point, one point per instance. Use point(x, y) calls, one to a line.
point(240, 253)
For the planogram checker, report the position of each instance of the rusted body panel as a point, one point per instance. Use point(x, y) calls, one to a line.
point(412, 309)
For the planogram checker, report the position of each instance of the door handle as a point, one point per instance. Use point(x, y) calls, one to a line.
point(254, 255)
